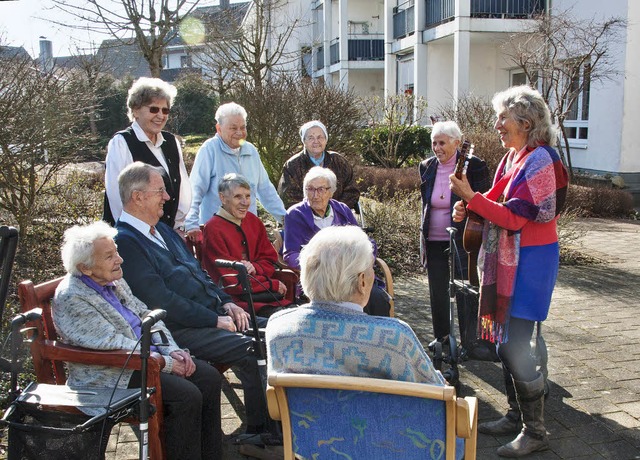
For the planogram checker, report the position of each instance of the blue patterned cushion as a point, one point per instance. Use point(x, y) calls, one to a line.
point(362, 425)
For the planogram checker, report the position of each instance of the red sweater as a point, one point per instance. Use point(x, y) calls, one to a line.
point(223, 239)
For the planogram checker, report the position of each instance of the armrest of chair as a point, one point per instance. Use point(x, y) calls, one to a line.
point(272, 403)
point(55, 350)
point(466, 416)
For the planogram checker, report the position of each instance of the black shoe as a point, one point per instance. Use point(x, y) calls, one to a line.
point(482, 352)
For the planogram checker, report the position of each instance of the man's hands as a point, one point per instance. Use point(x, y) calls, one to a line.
point(194, 235)
point(238, 319)
point(183, 365)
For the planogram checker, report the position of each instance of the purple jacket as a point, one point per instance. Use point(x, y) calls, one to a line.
point(299, 227)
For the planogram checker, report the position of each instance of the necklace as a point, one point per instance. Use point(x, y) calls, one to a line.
point(442, 189)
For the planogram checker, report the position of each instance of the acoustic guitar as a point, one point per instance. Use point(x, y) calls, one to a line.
point(472, 236)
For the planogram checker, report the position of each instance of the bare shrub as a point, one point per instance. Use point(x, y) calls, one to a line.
point(599, 201)
point(395, 225)
point(386, 181)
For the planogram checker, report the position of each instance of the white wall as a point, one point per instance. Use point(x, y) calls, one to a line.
point(630, 144)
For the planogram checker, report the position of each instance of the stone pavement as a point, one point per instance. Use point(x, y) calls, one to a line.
point(593, 341)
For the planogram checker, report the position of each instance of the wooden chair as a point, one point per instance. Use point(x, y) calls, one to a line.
point(49, 356)
point(365, 418)
point(381, 266)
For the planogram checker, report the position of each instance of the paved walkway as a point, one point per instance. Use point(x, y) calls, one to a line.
point(593, 340)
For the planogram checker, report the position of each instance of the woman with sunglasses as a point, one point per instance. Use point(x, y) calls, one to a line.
point(149, 103)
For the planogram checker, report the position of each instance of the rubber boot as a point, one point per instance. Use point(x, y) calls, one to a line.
point(510, 423)
point(533, 437)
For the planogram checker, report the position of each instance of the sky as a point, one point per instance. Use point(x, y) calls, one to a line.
point(22, 22)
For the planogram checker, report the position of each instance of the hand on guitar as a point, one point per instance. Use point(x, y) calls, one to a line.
point(459, 212)
point(461, 187)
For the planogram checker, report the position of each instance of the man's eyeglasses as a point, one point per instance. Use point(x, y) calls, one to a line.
point(320, 190)
point(155, 109)
point(159, 191)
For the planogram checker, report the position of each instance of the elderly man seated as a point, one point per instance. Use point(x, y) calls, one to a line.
point(319, 210)
point(163, 273)
point(93, 307)
point(332, 335)
point(236, 234)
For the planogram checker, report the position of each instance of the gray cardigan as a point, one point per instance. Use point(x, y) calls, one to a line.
point(83, 318)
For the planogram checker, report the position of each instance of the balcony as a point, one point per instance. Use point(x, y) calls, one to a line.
point(403, 19)
point(441, 11)
point(360, 48)
point(319, 58)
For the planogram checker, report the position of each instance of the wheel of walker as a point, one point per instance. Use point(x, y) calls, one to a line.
point(437, 356)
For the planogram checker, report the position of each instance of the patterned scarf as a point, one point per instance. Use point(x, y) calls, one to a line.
point(536, 189)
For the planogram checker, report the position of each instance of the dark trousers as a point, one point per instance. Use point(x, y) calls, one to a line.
point(515, 354)
point(192, 425)
point(378, 304)
point(438, 277)
point(223, 347)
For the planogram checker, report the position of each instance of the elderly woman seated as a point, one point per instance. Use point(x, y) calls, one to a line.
point(332, 335)
point(94, 308)
point(236, 234)
point(317, 211)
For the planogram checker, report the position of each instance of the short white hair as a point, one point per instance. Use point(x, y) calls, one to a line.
point(230, 109)
point(331, 262)
point(318, 172)
point(448, 128)
point(313, 124)
point(78, 245)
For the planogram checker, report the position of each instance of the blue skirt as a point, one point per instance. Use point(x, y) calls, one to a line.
point(535, 279)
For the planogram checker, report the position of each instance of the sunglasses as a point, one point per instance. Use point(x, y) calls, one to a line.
point(154, 109)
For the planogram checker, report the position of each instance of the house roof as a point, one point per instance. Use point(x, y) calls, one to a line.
point(9, 52)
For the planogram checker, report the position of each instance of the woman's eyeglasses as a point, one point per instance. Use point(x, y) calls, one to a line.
point(319, 190)
point(155, 109)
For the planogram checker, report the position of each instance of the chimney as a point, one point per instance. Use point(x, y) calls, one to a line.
point(46, 54)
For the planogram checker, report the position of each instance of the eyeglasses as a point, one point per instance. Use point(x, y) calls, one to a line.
point(318, 138)
point(159, 191)
point(320, 190)
point(155, 109)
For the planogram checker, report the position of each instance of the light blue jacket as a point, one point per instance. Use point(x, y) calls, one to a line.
point(213, 161)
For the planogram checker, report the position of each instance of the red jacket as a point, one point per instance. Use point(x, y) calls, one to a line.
point(223, 239)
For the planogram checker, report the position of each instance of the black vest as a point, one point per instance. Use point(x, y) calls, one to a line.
point(140, 152)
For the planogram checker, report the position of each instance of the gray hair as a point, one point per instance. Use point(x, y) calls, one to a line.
point(78, 245)
point(232, 180)
point(319, 172)
point(145, 89)
point(230, 109)
point(313, 124)
point(332, 260)
point(448, 128)
point(527, 106)
point(134, 177)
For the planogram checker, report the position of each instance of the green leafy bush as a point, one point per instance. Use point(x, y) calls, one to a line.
point(194, 108)
point(392, 148)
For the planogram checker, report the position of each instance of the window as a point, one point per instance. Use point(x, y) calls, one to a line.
point(518, 77)
point(577, 103)
point(306, 61)
point(185, 61)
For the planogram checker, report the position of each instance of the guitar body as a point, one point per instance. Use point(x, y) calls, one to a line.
point(471, 241)
point(472, 236)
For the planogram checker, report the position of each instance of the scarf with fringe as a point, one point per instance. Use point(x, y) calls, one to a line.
point(535, 188)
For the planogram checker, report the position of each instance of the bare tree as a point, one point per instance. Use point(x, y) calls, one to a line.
point(567, 56)
point(42, 128)
point(151, 23)
point(256, 49)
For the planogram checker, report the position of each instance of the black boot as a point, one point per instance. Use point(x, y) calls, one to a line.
point(533, 437)
point(509, 423)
